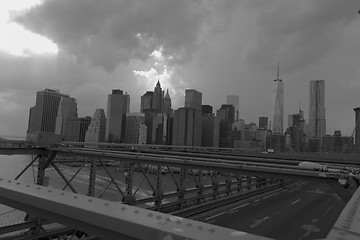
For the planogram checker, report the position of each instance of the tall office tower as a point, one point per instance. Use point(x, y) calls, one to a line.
point(43, 115)
point(226, 115)
point(96, 129)
point(67, 109)
point(153, 103)
point(42, 118)
point(234, 100)
point(167, 103)
point(263, 123)
point(296, 131)
point(317, 122)
point(210, 131)
point(193, 99)
point(277, 122)
point(118, 106)
point(157, 99)
point(76, 129)
point(135, 128)
point(187, 126)
point(357, 130)
point(146, 101)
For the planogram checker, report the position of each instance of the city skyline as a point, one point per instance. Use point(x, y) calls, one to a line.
point(230, 48)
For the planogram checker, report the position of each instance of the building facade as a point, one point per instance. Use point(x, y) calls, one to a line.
point(67, 109)
point(337, 143)
point(136, 130)
point(210, 131)
point(76, 129)
point(187, 127)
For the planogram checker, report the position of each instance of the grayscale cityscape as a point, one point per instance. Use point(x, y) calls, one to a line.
point(170, 119)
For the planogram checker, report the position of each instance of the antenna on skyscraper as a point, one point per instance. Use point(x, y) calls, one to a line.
point(278, 70)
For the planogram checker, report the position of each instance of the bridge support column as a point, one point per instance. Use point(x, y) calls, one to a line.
point(41, 170)
point(129, 183)
point(228, 184)
point(239, 182)
point(258, 182)
point(215, 182)
point(199, 186)
point(158, 192)
point(182, 187)
point(44, 162)
point(92, 178)
point(249, 179)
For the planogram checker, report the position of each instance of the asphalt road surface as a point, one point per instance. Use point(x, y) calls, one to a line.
point(307, 210)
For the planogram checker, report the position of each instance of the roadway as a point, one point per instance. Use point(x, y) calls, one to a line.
point(307, 210)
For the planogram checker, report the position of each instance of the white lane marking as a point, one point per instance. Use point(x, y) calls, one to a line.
point(216, 215)
point(294, 202)
point(257, 200)
point(240, 206)
point(271, 195)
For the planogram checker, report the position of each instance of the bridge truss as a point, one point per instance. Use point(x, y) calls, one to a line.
point(174, 185)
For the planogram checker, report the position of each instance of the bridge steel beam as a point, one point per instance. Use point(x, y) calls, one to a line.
point(108, 220)
point(274, 170)
point(23, 151)
point(184, 193)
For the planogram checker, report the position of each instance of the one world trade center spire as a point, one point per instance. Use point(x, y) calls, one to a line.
point(277, 120)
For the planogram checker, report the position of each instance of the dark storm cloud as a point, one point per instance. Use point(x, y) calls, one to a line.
point(298, 32)
point(109, 32)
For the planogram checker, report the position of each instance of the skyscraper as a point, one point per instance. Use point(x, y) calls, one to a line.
point(317, 122)
point(153, 103)
point(42, 117)
point(234, 100)
point(96, 128)
point(146, 101)
point(157, 99)
point(193, 99)
point(226, 112)
point(277, 120)
point(117, 106)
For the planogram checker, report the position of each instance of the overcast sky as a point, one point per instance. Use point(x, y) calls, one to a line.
point(86, 48)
